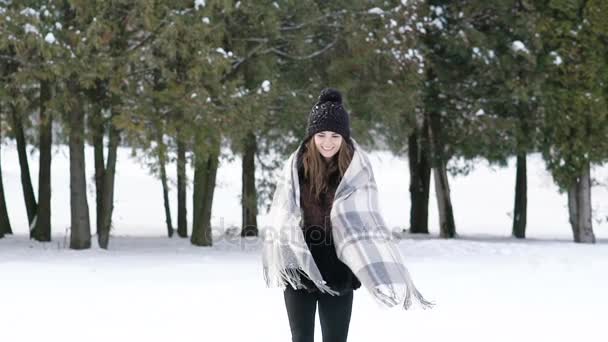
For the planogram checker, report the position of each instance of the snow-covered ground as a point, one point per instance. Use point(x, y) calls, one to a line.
point(487, 286)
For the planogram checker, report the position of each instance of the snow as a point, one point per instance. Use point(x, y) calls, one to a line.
point(29, 28)
point(198, 4)
point(476, 52)
point(438, 23)
point(156, 289)
point(480, 112)
point(375, 10)
point(29, 12)
point(438, 10)
point(519, 46)
point(240, 92)
point(266, 86)
point(49, 38)
point(557, 59)
point(420, 27)
point(414, 54)
point(223, 52)
point(406, 28)
point(487, 286)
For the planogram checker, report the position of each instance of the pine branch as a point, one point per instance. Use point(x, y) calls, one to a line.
point(18, 60)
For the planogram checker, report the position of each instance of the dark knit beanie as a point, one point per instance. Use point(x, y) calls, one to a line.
point(328, 114)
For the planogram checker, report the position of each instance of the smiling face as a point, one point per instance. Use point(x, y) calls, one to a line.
point(328, 143)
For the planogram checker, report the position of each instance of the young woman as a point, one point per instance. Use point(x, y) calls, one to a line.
point(325, 225)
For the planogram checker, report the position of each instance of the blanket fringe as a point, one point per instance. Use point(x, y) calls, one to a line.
point(412, 291)
point(292, 276)
point(407, 303)
point(410, 287)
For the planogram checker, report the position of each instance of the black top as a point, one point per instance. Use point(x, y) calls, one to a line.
point(317, 233)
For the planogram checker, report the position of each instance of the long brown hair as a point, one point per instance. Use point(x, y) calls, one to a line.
point(317, 170)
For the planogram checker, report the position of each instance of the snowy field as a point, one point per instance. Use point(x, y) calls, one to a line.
point(146, 287)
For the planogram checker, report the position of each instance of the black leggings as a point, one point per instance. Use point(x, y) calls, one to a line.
point(334, 314)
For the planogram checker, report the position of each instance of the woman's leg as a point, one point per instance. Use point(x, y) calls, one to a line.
point(301, 308)
point(334, 314)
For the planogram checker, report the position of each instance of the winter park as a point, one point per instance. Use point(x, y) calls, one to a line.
point(205, 170)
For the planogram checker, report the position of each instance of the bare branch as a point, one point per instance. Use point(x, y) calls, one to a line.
point(255, 40)
point(148, 37)
point(309, 56)
point(238, 63)
point(306, 23)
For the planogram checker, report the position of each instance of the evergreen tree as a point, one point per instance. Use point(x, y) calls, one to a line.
point(574, 100)
point(388, 74)
point(18, 29)
point(180, 96)
point(502, 88)
point(480, 96)
point(116, 31)
point(29, 38)
point(443, 105)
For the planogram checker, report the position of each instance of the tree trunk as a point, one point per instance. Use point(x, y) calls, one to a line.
point(162, 152)
point(249, 199)
point(204, 185)
point(80, 237)
point(162, 159)
point(5, 224)
point(521, 198)
point(97, 131)
point(182, 219)
point(198, 181)
point(42, 227)
point(573, 209)
point(447, 226)
point(420, 180)
point(107, 203)
point(26, 181)
point(579, 205)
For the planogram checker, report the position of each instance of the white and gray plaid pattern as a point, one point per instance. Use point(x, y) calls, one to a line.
point(362, 240)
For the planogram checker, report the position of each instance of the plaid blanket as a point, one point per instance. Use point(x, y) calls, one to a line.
point(361, 238)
